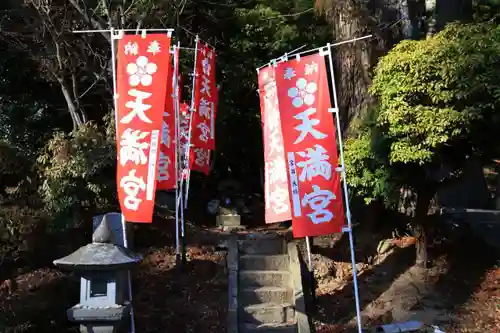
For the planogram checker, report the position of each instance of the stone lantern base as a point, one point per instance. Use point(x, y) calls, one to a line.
point(109, 319)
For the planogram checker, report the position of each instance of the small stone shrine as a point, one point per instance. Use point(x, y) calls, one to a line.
point(103, 265)
point(228, 217)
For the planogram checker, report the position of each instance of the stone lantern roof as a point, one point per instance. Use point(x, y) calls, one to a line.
point(101, 255)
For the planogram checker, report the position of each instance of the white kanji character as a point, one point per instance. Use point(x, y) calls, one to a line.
point(311, 68)
point(209, 54)
point(319, 200)
point(289, 73)
point(154, 47)
point(205, 65)
point(307, 126)
point(265, 75)
point(275, 142)
point(316, 163)
point(131, 147)
point(131, 48)
point(163, 167)
point(205, 131)
point(131, 186)
point(138, 107)
point(205, 86)
point(204, 108)
point(270, 90)
point(272, 115)
point(277, 170)
point(202, 156)
point(165, 132)
point(280, 200)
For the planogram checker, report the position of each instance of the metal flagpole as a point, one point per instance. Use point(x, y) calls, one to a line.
point(347, 229)
point(309, 256)
point(282, 58)
point(124, 30)
point(125, 244)
point(181, 205)
point(191, 110)
point(177, 145)
point(115, 35)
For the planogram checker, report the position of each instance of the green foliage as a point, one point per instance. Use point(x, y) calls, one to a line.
point(438, 101)
point(431, 92)
point(19, 231)
point(78, 171)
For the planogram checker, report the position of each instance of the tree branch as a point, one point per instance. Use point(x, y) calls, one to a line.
point(96, 24)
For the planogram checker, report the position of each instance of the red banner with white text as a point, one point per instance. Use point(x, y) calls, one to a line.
point(166, 162)
point(183, 140)
point(205, 99)
point(277, 200)
point(142, 70)
point(310, 146)
point(200, 160)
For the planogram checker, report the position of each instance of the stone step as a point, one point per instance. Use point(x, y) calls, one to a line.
point(275, 295)
point(267, 313)
point(264, 278)
point(264, 262)
point(268, 328)
point(268, 245)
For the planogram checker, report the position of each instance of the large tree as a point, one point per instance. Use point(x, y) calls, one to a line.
point(438, 106)
point(389, 22)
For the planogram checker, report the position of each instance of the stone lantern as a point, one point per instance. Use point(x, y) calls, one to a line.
point(103, 265)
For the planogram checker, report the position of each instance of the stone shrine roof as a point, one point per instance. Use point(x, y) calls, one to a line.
point(99, 257)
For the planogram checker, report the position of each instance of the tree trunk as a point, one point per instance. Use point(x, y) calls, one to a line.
point(355, 61)
point(424, 198)
point(73, 111)
point(352, 65)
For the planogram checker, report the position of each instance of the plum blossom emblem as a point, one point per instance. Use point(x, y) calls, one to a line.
point(303, 93)
point(141, 72)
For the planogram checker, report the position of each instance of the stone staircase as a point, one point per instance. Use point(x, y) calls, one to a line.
point(268, 286)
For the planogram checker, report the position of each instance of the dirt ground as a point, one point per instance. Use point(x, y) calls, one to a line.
point(165, 299)
point(460, 293)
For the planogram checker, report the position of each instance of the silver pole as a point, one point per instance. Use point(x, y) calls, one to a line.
point(114, 37)
point(127, 30)
point(280, 59)
point(175, 83)
point(346, 196)
point(191, 111)
point(309, 256)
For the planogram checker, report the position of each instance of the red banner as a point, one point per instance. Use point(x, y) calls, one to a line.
point(184, 139)
point(166, 162)
point(200, 160)
point(205, 99)
point(310, 144)
point(142, 70)
point(277, 208)
point(177, 74)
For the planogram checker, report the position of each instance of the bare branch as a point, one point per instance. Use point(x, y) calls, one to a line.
point(96, 24)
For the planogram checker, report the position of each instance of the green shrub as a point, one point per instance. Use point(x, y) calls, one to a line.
point(78, 171)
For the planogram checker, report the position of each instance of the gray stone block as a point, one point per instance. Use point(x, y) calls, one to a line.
point(264, 262)
point(264, 278)
point(275, 295)
point(228, 220)
point(267, 313)
point(270, 246)
point(268, 328)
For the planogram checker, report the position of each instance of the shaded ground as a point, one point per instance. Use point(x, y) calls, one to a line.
point(165, 300)
point(460, 293)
